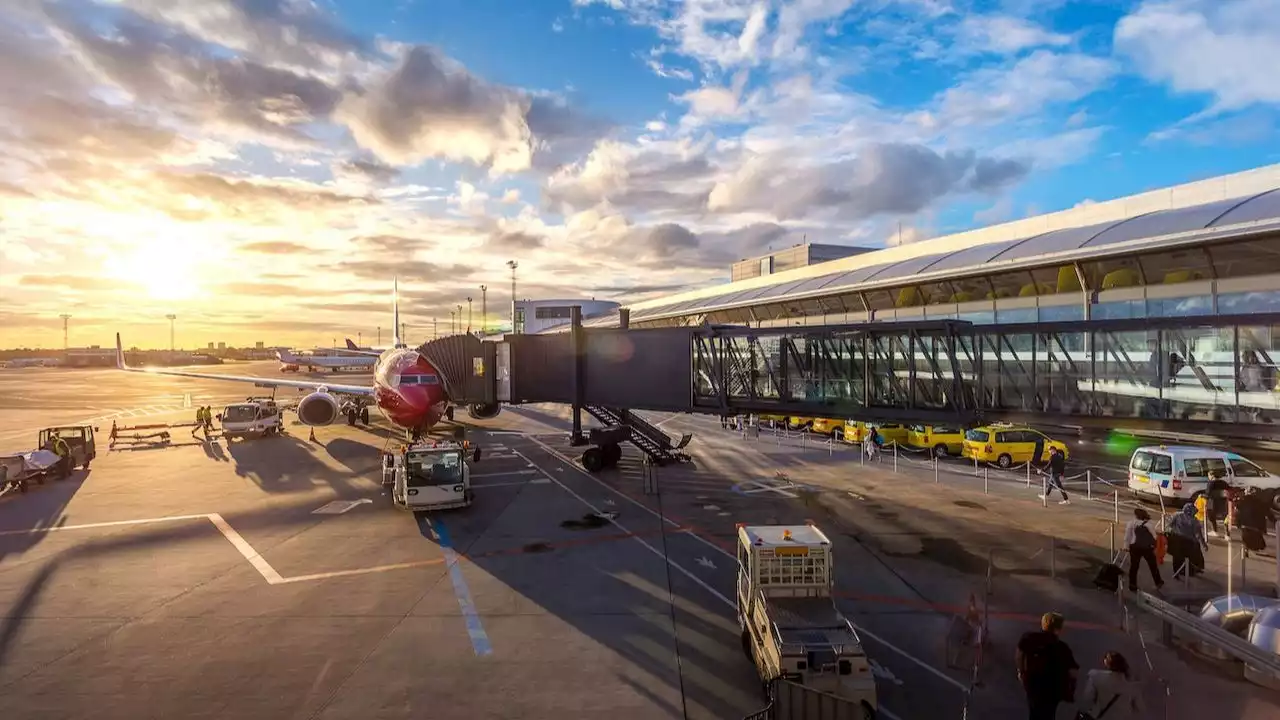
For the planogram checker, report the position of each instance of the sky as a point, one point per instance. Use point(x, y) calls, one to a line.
point(262, 169)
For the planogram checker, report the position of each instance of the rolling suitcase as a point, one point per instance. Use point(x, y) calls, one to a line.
point(1108, 577)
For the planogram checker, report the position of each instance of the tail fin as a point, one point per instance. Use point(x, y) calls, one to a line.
point(120, 354)
point(351, 345)
point(395, 311)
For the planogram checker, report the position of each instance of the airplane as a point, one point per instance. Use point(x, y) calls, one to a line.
point(291, 363)
point(406, 389)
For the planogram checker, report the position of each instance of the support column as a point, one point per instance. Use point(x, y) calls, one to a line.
point(624, 318)
point(578, 350)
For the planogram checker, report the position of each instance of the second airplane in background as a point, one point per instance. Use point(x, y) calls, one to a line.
point(289, 362)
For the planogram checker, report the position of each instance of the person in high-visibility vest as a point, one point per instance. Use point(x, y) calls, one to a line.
point(63, 451)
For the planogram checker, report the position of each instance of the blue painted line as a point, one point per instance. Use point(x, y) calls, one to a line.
point(479, 638)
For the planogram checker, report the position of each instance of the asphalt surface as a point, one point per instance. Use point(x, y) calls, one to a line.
point(197, 579)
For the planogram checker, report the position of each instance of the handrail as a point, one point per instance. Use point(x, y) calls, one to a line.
point(1231, 644)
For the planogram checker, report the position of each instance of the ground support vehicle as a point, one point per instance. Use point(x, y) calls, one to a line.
point(791, 628)
point(430, 474)
point(256, 416)
point(20, 469)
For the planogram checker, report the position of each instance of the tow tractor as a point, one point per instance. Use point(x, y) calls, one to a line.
point(430, 474)
point(18, 469)
point(255, 416)
point(791, 628)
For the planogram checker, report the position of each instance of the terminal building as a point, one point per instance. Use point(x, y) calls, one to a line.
point(1204, 248)
point(535, 316)
point(1162, 307)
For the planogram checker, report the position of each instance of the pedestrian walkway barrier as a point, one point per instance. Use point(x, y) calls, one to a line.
point(1176, 622)
point(792, 701)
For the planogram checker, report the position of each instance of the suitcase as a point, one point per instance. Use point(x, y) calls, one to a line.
point(1108, 577)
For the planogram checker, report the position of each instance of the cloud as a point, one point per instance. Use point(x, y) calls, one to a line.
point(514, 240)
point(431, 107)
point(1003, 35)
point(278, 247)
point(70, 282)
point(993, 95)
point(166, 69)
point(406, 270)
point(885, 178)
point(370, 171)
point(397, 244)
point(262, 289)
point(204, 194)
point(1226, 50)
point(648, 176)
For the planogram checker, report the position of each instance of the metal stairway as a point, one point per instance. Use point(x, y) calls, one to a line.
point(649, 439)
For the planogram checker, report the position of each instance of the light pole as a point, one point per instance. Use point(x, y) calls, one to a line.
point(359, 339)
point(65, 317)
point(457, 329)
point(403, 333)
point(513, 265)
point(435, 329)
point(453, 322)
point(171, 317)
point(484, 310)
point(379, 336)
point(468, 314)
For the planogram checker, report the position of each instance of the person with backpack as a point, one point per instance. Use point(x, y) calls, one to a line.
point(1046, 668)
point(1142, 546)
point(1187, 542)
point(1110, 693)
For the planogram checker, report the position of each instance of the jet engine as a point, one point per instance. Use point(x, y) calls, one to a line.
point(482, 411)
point(318, 408)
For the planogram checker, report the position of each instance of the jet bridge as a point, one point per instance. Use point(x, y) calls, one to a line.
point(1211, 374)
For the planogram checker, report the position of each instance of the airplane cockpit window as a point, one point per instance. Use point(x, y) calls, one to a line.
point(419, 380)
point(427, 469)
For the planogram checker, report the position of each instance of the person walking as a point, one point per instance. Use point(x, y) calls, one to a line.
point(1254, 514)
point(1111, 692)
point(1216, 506)
point(1057, 476)
point(1142, 546)
point(1046, 668)
point(1187, 542)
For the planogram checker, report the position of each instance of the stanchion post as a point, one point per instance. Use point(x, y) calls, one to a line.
point(1244, 578)
point(935, 474)
point(986, 472)
point(975, 465)
point(1044, 489)
point(1112, 533)
point(895, 457)
point(1116, 497)
point(1028, 473)
point(1278, 560)
point(1088, 483)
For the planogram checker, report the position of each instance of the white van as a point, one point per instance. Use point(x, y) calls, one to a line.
point(1180, 472)
point(256, 417)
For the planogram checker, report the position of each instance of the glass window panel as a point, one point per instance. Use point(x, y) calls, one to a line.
point(1113, 274)
point(1261, 207)
point(1118, 310)
point(1061, 313)
point(1196, 378)
point(1249, 302)
point(1180, 307)
point(1163, 222)
point(1011, 285)
point(909, 267)
point(1015, 315)
point(879, 299)
point(970, 289)
point(1256, 257)
point(945, 312)
point(1054, 280)
point(817, 283)
point(1126, 373)
point(1175, 266)
point(971, 257)
point(937, 293)
point(906, 297)
point(1051, 242)
point(1257, 378)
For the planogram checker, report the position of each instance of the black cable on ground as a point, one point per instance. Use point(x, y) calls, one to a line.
point(671, 596)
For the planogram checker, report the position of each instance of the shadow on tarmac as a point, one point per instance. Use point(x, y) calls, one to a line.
point(41, 506)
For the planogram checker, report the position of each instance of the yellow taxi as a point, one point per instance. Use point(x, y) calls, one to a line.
point(827, 426)
point(1006, 445)
point(796, 423)
point(856, 431)
point(943, 440)
point(773, 418)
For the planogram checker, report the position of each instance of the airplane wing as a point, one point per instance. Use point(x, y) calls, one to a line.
point(257, 381)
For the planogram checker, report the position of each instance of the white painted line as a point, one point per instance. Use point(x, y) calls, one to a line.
point(675, 565)
point(258, 562)
point(363, 571)
point(631, 500)
point(724, 552)
point(337, 507)
point(535, 481)
point(117, 523)
point(506, 474)
point(935, 671)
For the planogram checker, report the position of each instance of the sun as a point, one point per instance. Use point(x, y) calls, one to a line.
point(165, 269)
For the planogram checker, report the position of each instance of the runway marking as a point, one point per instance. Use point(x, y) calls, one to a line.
point(505, 474)
point(337, 507)
point(475, 629)
point(674, 565)
point(241, 545)
point(535, 481)
point(726, 553)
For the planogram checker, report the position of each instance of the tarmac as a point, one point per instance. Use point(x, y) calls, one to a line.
point(273, 578)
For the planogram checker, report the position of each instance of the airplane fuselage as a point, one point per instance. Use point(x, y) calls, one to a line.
point(408, 390)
